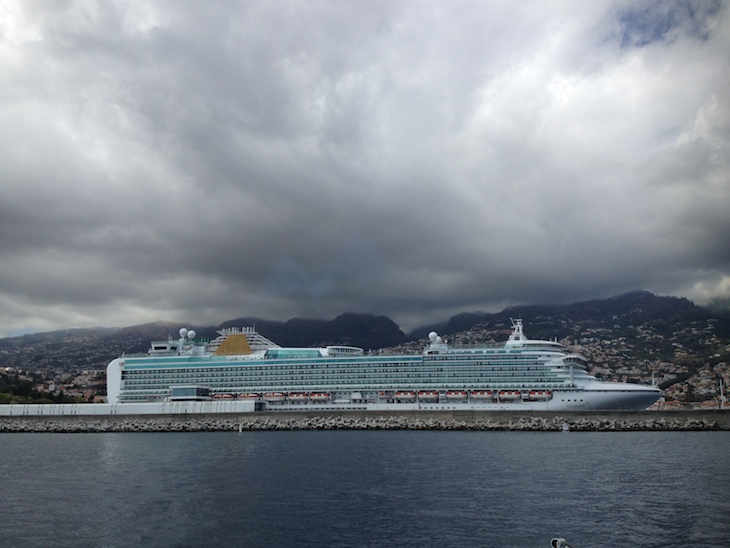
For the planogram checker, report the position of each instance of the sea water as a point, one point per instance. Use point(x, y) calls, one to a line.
point(365, 488)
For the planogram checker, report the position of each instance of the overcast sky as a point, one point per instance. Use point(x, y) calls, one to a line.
point(200, 161)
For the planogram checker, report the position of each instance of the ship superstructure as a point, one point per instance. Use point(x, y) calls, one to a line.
point(521, 374)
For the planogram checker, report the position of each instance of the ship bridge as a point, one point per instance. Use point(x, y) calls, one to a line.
point(518, 340)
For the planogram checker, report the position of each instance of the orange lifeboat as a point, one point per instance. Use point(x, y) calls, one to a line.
point(249, 396)
point(298, 396)
point(510, 395)
point(456, 395)
point(319, 396)
point(540, 394)
point(222, 396)
point(482, 394)
point(405, 395)
point(428, 395)
point(275, 397)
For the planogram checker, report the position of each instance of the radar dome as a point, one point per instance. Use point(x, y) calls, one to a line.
point(432, 336)
point(191, 334)
point(183, 332)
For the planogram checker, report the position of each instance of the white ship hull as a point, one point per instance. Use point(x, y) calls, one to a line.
point(615, 398)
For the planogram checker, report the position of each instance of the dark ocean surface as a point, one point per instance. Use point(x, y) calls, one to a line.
point(371, 488)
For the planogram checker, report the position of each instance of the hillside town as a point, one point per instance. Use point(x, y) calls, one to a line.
point(687, 358)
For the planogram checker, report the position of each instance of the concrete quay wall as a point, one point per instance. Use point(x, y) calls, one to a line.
point(608, 421)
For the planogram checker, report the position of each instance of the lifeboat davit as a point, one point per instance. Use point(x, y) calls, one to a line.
point(482, 394)
point(405, 395)
point(456, 395)
point(275, 397)
point(298, 396)
point(319, 396)
point(428, 395)
point(510, 395)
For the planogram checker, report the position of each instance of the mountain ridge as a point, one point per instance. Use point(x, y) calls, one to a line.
point(634, 337)
point(93, 348)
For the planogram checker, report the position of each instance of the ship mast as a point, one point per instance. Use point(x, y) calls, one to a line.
point(722, 396)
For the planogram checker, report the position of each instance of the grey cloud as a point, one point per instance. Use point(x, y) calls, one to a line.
point(200, 162)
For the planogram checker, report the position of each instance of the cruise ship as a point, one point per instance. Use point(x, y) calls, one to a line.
point(241, 364)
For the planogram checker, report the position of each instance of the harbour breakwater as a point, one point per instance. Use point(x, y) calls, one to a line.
point(546, 422)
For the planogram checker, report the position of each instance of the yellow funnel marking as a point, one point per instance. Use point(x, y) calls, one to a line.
point(234, 345)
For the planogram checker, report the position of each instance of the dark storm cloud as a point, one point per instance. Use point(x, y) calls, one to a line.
point(200, 161)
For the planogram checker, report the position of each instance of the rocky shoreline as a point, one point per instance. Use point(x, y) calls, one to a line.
point(281, 423)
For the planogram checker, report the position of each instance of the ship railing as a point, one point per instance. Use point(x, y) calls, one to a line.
point(470, 346)
point(231, 388)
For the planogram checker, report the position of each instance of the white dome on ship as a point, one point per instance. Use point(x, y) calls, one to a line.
point(191, 334)
point(432, 336)
point(183, 332)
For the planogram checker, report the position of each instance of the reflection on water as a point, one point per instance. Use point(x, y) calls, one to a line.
point(369, 488)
